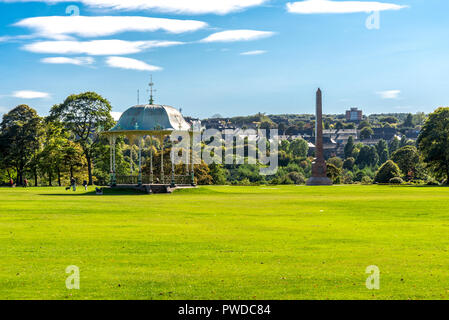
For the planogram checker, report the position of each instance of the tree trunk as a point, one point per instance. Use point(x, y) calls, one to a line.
point(59, 177)
point(49, 179)
point(19, 177)
point(89, 170)
point(35, 177)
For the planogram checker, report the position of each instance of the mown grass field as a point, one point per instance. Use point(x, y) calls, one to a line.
point(286, 242)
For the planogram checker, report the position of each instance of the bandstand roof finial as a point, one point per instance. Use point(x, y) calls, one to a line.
point(151, 85)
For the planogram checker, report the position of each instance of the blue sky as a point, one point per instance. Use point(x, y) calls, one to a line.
point(226, 56)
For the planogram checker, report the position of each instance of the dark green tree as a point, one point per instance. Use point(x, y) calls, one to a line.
point(349, 147)
point(407, 158)
point(408, 122)
point(394, 145)
point(387, 171)
point(20, 132)
point(84, 114)
point(299, 148)
point(366, 133)
point(433, 143)
point(382, 151)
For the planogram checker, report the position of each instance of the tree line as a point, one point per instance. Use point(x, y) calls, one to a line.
point(67, 143)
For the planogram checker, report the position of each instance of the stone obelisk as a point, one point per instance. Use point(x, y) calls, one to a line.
point(319, 177)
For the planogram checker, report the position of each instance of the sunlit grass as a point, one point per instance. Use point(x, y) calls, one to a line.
point(283, 242)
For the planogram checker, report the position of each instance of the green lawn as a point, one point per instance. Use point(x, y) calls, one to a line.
point(286, 242)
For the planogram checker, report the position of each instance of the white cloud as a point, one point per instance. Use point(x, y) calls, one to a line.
point(237, 35)
point(61, 27)
point(172, 6)
point(253, 53)
point(96, 47)
point(80, 61)
point(327, 6)
point(389, 94)
point(27, 94)
point(116, 115)
point(131, 64)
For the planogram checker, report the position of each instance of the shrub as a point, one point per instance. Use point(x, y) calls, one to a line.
point(387, 171)
point(396, 180)
point(349, 163)
point(296, 177)
point(366, 180)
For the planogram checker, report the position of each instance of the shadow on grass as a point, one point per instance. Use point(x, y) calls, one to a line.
point(106, 192)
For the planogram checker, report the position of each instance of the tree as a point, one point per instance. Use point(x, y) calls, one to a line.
point(408, 122)
point(394, 145)
point(387, 171)
point(19, 136)
point(389, 119)
point(363, 124)
point(366, 133)
point(407, 158)
point(51, 157)
point(218, 173)
point(333, 173)
point(336, 161)
point(299, 148)
point(382, 151)
point(367, 157)
point(433, 142)
point(348, 164)
point(349, 147)
point(83, 115)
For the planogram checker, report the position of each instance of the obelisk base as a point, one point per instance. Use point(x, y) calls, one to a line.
point(319, 181)
point(319, 176)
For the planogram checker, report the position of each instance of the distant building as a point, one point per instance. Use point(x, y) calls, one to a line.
point(354, 115)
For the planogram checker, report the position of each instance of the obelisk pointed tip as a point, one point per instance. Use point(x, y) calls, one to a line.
point(319, 90)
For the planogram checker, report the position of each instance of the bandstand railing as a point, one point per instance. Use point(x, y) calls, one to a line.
point(146, 179)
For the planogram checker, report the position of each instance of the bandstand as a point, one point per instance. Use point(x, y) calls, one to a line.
point(156, 122)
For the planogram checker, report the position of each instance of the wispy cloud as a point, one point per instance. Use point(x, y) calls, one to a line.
point(63, 27)
point(253, 53)
point(389, 94)
point(130, 64)
point(96, 47)
point(79, 61)
point(172, 6)
point(27, 94)
point(327, 6)
point(237, 35)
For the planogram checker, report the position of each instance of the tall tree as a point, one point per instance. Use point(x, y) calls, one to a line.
point(433, 142)
point(83, 114)
point(349, 147)
point(382, 151)
point(407, 158)
point(19, 137)
point(299, 148)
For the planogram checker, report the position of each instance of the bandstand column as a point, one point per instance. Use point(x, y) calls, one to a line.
point(114, 177)
point(131, 155)
point(172, 167)
point(111, 170)
point(139, 180)
point(151, 160)
point(162, 159)
point(192, 172)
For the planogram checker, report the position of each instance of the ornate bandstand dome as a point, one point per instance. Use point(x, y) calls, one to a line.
point(151, 118)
